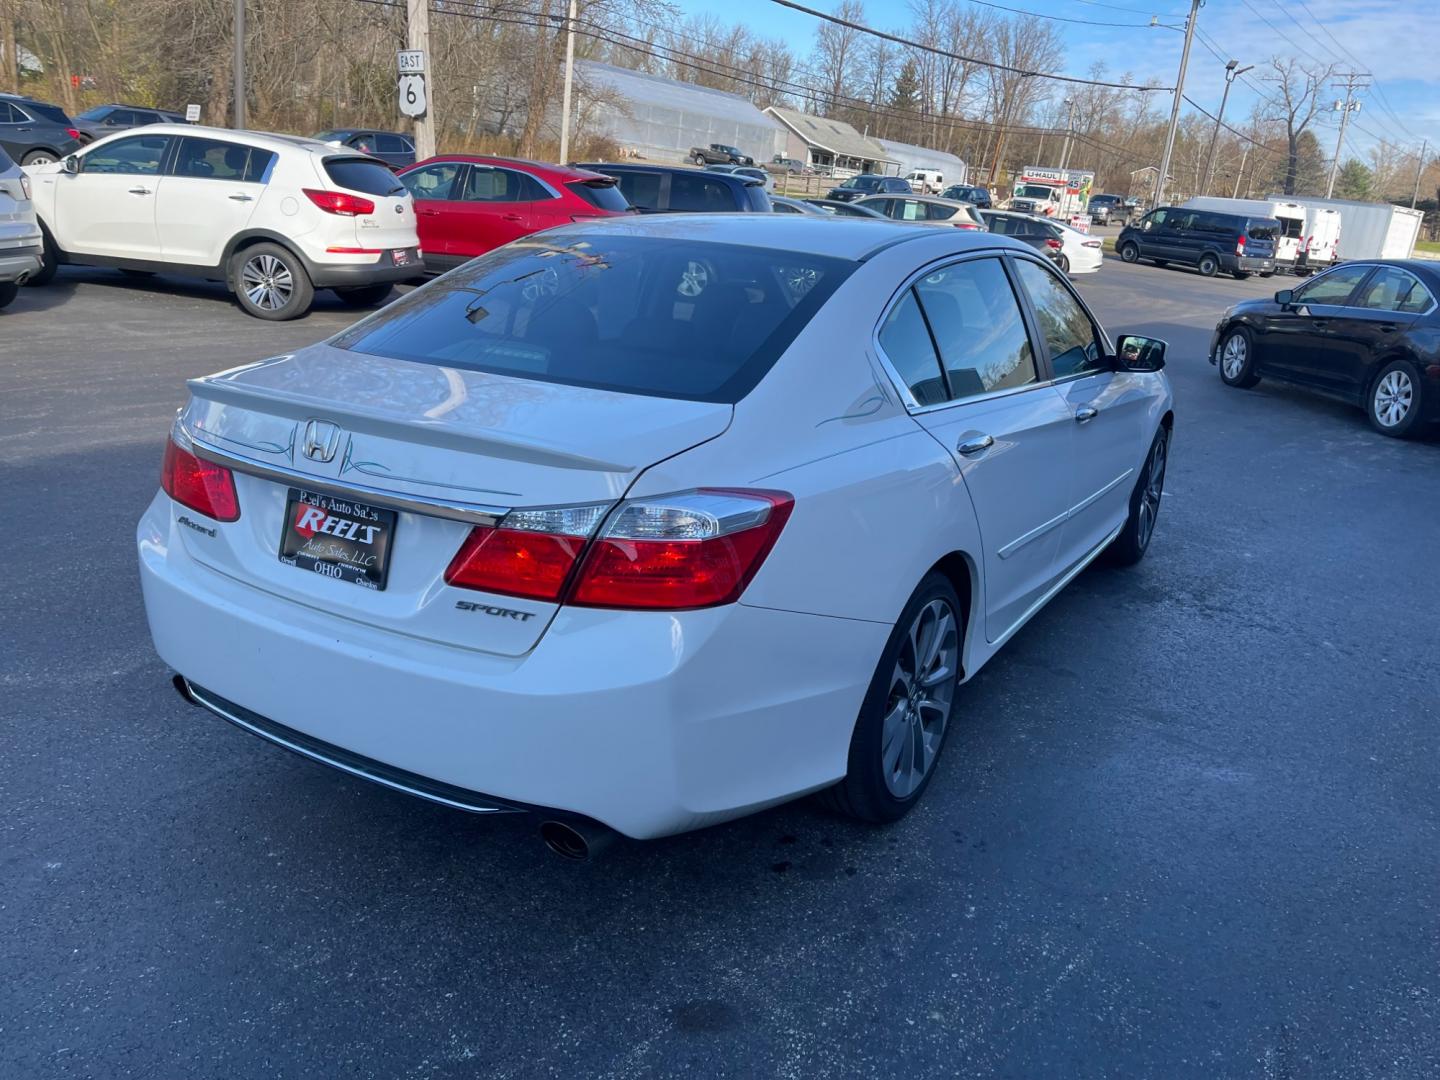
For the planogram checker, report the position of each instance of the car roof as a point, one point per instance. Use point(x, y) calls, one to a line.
point(604, 166)
point(855, 239)
point(268, 140)
point(547, 169)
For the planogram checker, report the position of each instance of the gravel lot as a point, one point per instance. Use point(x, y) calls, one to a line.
point(1188, 827)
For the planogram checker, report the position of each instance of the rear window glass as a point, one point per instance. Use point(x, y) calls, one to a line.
point(364, 175)
point(53, 113)
point(759, 199)
point(636, 314)
point(99, 112)
point(641, 190)
point(1293, 227)
point(694, 191)
point(1263, 229)
point(600, 194)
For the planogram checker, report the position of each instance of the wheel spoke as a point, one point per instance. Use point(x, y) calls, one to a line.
point(893, 732)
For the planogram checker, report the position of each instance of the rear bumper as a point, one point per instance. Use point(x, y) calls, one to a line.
point(17, 261)
point(332, 275)
point(1250, 265)
point(650, 723)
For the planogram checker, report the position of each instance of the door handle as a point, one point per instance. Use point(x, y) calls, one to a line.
point(513, 217)
point(139, 191)
point(1387, 328)
point(429, 213)
point(1319, 323)
point(243, 198)
point(1085, 414)
point(974, 444)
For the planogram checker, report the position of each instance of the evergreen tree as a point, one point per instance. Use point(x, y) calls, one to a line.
point(1354, 181)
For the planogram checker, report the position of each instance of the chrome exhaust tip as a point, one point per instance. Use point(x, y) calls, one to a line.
point(23, 278)
point(575, 841)
point(183, 689)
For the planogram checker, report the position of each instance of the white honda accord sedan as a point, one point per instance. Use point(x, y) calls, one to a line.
point(645, 526)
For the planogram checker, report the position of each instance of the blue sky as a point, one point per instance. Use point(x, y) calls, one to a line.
point(1396, 41)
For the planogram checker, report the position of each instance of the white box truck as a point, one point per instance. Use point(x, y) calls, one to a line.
point(1289, 213)
point(1370, 230)
point(1321, 246)
point(1063, 195)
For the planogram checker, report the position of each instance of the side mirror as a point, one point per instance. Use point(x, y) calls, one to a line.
point(1134, 352)
point(72, 164)
point(1285, 297)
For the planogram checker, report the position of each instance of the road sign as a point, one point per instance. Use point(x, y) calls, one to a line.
point(412, 96)
point(410, 61)
point(192, 114)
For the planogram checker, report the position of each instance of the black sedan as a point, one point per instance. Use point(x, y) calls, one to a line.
point(1365, 332)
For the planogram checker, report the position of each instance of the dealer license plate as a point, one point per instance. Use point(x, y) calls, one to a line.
point(402, 256)
point(337, 538)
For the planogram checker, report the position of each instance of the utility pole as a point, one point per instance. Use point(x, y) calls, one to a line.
point(569, 78)
point(1195, 6)
point(1344, 108)
point(417, 36)
point(1069, 133)
point(1243, 158)
point(240, 64)
point(1233, 71)
point(1419, 172)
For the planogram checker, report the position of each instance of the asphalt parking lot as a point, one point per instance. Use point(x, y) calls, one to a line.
point(1187, 827)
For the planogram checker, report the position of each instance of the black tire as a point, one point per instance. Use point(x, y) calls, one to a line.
point(1129, 252)
point(8, 291)
point(1130, 546)
point(1063, 263)
point(39, 157)
point(1396, 402)
point(1240, 375)
point(362, 296)
point(279, 288)
point(699, 159)
point(1208, 265)
point(866, 793)
point(49, 261)
point(1241, 275)
point(1267, 273)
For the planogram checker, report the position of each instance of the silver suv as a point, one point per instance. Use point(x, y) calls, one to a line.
point(20, 239)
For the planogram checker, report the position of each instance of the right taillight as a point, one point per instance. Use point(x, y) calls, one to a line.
point(201, 485)
point(339, 202)
point(1240, 244)
point(692, 550)
point(1053, 244)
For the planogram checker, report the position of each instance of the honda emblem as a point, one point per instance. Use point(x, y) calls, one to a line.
point(322, 439)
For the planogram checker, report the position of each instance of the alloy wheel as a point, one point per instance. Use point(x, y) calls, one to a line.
point(922, 691)
point(1233, 356)
point(267, 282)
point(1394, 395)
point(1151, 493)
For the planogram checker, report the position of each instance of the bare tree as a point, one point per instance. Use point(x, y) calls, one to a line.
point(1299, 87)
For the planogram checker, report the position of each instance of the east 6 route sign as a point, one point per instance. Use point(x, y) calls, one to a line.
point(411, 86)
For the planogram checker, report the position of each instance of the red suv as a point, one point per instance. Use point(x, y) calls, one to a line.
point(466, 205)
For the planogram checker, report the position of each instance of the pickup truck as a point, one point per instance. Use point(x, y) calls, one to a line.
point(719, 154)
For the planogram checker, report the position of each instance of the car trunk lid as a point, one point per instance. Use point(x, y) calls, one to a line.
point(443, 448)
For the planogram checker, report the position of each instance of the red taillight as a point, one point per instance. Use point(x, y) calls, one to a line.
point(686, 551)
point(353, 251)
point(965, 225)
point(72, 132)
point(1240, 244)
point(339, 202)
point(202, 486)
point(1091, 244)
point(1053, 244)
point(692, 550)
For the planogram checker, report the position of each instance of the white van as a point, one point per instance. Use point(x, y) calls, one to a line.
point(1321, 245)
point(926, 181)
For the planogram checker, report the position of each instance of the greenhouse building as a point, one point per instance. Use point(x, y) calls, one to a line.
point(919, 157)
point(660, 119)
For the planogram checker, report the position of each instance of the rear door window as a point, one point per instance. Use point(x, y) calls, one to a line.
point(211, 159)
point(636, 314)
point(365, 175)
point(390, 144)
point(257, 170)
point(486, 184)
point(975, 318)
point(1392, 289)
point(911, 352)
point(641, 190)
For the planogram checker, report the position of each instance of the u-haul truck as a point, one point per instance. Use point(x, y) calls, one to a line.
point(1053, 193)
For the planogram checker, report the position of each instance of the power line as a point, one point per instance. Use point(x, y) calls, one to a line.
point(1022, 72)
point(1384, 101)
point(1061, 18)
point(1135, 11)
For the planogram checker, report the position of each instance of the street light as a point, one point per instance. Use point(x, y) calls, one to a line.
point(1233, 71)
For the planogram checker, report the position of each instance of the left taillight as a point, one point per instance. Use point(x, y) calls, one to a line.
point(74, 133)
point(201, 486)
point(25, 187)
point(1053, 244)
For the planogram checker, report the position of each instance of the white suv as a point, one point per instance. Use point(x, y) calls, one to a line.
point(273, 216)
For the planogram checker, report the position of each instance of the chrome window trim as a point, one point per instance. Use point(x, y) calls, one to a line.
point(913, 407)
point(450, 509)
